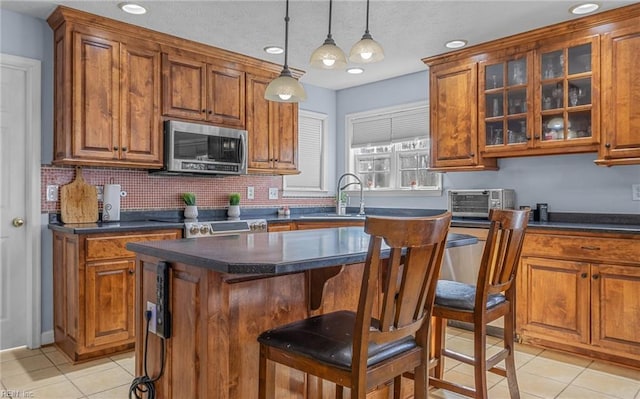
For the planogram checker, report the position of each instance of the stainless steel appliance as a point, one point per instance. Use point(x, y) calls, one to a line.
point(219, 227)
point(197, 148)
point(478, 202)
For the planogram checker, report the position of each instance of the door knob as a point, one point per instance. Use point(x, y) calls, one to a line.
point(17, 222)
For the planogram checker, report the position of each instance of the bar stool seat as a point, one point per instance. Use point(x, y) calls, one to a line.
point(329, 339)
point(457, 295)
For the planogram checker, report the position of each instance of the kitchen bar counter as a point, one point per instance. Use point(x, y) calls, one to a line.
point(272, 253)
point(226, 290)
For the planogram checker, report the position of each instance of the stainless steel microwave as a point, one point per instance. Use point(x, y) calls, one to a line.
point(204, 149)
point(478, 202)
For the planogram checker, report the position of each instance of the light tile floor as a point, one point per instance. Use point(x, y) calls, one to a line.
point(46, 374)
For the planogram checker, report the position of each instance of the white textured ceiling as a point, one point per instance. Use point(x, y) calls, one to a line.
point(408, 30)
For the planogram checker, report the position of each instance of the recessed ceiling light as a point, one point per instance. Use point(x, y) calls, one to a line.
point(355, 70)
point(273, 50)
point(132, 8)
point(456, 44)
point(585, 8)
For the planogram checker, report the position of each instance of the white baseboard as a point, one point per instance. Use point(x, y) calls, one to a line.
point(47, 338)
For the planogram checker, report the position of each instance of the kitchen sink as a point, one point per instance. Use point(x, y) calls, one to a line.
point(332, 216)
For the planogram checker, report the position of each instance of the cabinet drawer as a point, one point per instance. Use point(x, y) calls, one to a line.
point(588, 249)
point(114, 247)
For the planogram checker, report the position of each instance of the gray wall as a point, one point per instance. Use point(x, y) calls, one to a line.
point(24, 36)
point(568, 183)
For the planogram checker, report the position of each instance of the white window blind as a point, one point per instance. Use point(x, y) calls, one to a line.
point(390, 128)
point(310, 154)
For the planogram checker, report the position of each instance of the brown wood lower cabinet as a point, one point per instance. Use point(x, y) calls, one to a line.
point(580, 293)
point(93, 287)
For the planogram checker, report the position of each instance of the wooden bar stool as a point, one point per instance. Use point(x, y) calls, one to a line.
point(492, 297)
point(363, 349)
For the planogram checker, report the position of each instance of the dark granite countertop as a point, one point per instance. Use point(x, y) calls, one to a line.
point(140, 221)
point(272, 253)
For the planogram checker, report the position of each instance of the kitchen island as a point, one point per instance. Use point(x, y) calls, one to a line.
point(226, 290)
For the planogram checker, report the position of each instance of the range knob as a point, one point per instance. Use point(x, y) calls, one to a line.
point(263, 226)
point(204, 229)
point(194, 229)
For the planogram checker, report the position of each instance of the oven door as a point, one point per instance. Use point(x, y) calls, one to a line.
point(469, 203)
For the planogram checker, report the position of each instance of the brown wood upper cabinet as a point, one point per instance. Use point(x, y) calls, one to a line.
point(273, 130)
point(620, 143)
point(454, 136)
point(565, 88)
point(107, 97)
point(197, 90)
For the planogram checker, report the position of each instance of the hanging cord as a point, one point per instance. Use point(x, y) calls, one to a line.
point(144, 384)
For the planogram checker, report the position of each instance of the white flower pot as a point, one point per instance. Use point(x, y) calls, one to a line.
point(233, 212)
point(191, 212)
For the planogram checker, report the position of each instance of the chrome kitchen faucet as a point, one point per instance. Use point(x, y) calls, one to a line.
point(341, 206)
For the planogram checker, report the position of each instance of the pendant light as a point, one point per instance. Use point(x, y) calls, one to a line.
point(366, 50)
point(285, 88)
point(329, 55)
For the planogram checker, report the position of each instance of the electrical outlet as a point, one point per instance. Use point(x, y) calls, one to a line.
point(151, 307)
point(52, 193)
point(250, 193)
point(635, 190)
point(273, 193)
point(100, 190)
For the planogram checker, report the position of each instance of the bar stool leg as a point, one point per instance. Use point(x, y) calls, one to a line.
point(480, 360)
point(509, 362)
point(266, 377)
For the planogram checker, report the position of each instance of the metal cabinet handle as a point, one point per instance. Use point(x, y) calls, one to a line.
point(528, 138)
point(584, 275)
point(537, 137)
point(472, 154)
point(203, 111)
point(132, 272)
point(115, 148)
point(124, 148)
point(596, 276)
point(210, 112)
point(607, 145)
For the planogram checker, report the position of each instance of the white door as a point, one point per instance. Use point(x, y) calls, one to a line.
point(19, 221)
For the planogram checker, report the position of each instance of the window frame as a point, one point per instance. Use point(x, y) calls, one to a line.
point(351, 159)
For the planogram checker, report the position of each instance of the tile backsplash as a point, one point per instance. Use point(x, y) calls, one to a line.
point(147, 191)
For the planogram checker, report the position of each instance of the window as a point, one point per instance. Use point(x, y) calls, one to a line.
point(389, 149)
point(312, 134)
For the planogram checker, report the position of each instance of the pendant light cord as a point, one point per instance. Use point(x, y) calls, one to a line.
point(330, 8)
point(366, 30)
point(286, 37)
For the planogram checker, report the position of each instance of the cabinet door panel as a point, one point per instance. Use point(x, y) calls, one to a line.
point(620, 60)
point(96, 99)
point(616, 307)
point(258, 123)
point(557, 299)
point(284, 136)
point(109, 302)
point(140, 133)
point(183, 87)
point(226, 102)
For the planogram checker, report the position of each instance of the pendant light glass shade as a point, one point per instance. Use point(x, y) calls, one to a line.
point(285, 88)
point(329, 55)
point(366, 50)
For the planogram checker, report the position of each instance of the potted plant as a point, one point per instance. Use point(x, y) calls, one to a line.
point(234, 206)
point(190, 210)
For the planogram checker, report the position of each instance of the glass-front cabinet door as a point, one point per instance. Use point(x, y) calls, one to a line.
point(505, 104)
point(568, 81)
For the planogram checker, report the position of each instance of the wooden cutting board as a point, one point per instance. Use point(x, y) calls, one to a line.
point(79, 201)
